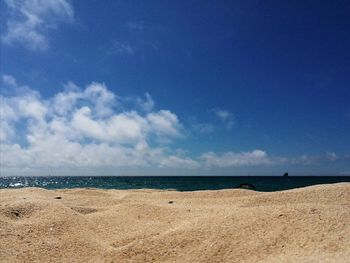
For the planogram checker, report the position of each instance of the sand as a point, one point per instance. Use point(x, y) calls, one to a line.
point(89, 225)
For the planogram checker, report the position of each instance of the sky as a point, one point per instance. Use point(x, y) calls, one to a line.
point(174, 87)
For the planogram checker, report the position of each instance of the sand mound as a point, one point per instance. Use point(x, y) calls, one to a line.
point(90, 225)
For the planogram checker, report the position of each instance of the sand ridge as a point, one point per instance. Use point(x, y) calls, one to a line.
point(91, 225)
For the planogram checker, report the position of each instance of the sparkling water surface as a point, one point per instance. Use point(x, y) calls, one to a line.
point(180, 183)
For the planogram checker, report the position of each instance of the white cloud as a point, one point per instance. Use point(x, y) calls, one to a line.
point(101, 99)
point(29, 21)
point(56, 151)
point(225, 116)
point(128, 127)
point(164, 123)
point(80, 128)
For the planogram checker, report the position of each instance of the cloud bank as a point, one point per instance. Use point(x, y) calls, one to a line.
point(85, 128)
point(92, 129)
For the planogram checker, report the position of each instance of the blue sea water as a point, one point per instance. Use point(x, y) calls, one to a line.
point(180, 183)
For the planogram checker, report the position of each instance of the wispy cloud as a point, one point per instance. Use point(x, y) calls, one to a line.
point(136, 38)
point(123, 48)
point(9, 80)
point(232, 159)
point(203, 128)
point(262, 158)
point(28, 22)
point(136, 25)
point(303, 159)
point(225, 116)
point(332, 156)
point(146, 104)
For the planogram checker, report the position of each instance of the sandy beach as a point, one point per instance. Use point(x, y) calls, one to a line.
point(89, 225)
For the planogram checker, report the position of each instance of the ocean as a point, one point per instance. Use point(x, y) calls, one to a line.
point(180, 183)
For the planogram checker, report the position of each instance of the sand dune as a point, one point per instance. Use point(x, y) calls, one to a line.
point(89, 225)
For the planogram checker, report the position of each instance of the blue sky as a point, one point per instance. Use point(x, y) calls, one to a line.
point(175, 87)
